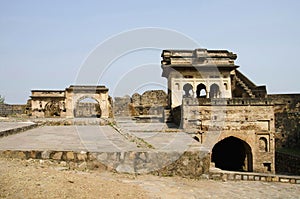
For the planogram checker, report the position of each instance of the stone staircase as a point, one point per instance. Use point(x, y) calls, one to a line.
point(167, 117)
point(244, 86)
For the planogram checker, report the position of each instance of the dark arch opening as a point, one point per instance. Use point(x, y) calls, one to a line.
point(87, 107)
point(201, 91)
point(188, 90)
point(232, 154)
point(214, 91)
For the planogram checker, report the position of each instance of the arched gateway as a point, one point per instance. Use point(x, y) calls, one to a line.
point(87, 107)
point(232, 154)
point(71, 102)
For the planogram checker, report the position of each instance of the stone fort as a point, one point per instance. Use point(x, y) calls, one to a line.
point(208, 97)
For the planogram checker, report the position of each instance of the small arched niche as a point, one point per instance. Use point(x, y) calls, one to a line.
point(263, 144)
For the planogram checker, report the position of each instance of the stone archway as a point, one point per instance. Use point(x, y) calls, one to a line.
point(87, 106)
point(188, 90)
point(201, 91)
point(52, 109)
point(232, 154)
point(214, 91)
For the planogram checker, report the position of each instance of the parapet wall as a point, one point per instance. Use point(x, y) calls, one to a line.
point(225, 101)
point(8, 109)
point(227, 114)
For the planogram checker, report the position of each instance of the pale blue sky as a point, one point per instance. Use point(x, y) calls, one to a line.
point(44, 43)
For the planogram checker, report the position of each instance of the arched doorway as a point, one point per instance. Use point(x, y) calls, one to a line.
point(87, 107)
point(188, 90)
point(52, 109)
point(214, 91)
point(232, 154)
point(201, 91)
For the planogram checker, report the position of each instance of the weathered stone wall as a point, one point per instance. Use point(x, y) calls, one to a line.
point(287, 164)
point(227, 114)
point(150, 102)
point(87, 109)
point(251, 121)
point(287, 120)
point(154, 97)
point(121, 106)
point(191, 164)
point(287, 129)
point(8, 109)
point(136, 99)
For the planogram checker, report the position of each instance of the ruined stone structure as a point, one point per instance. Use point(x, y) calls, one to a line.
point(287, 119)
point(234, 120)
point(231, 116)
point(150, 103)
point(75, 101)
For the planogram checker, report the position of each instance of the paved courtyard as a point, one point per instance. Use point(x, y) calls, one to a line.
point(97, 138)
point(76, 138)
point(94, 138)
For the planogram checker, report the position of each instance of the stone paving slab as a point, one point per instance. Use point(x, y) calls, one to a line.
point(132, 125)
point(162, 136)
point(168, 141)
point(4, 126)
point(75, 138)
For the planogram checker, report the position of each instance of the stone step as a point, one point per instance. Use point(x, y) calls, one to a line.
point(168, 117)
point(244, 86)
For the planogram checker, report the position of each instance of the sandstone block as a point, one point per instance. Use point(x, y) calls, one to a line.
point(70, 155)
point(57, 156)
point(82, 166)
point(21, 155)
point(46, 154)
point(284, 180)
point(82, 156)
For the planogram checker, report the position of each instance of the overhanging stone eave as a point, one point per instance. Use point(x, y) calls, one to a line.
point(47, 90)
point(200, 66)
point(47, 96)
point(86, 88)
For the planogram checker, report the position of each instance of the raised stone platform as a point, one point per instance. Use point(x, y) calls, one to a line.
point(65, 138)
point(106, 145)
point(93, 146)
point(9, 128)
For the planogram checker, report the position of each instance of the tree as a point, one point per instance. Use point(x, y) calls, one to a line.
point(2, 99)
